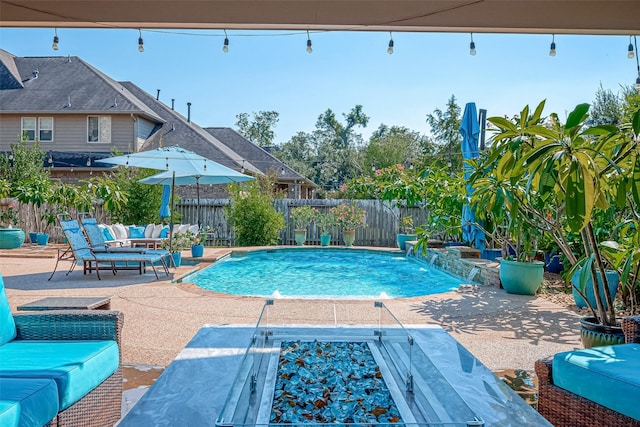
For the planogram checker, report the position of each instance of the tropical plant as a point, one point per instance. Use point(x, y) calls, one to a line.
point(178, 242)
point(556, 178)
point(9, 216)
point(302, 216)
point(349, 216)
point(252, 215)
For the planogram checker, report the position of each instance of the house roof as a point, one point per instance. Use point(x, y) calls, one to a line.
point(63, 85)
point(258, 156)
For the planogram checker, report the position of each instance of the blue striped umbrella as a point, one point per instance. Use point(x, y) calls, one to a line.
point(470, 130)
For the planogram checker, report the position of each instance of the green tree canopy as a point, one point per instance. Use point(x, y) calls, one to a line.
point(258, 128)
point(445, 127)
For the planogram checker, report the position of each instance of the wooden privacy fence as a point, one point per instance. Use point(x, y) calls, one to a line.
point(382, 220)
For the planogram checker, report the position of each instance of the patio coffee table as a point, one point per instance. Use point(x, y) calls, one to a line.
point(68, 303)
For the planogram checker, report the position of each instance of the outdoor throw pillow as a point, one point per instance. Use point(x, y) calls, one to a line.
point(136, 232)
point(183, 228)
point(164, 233)
point(120, 231)
point(148, 231)
point(157, 229)
point(194, 229)
point(107, 234)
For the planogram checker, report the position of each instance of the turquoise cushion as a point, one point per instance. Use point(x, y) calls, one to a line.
point(107, 234)
point(77, 367)
point(164, 233)
point(7, 324)
point(27, 402)
point(136, 232)
point(608, 375)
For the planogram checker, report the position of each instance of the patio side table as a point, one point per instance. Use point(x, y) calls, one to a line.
point(68, 303)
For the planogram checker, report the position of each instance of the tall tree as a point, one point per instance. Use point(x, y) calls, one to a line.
point(606, 108)
point(445, 127)
point(391, 145)
point(299, 154)
point(259, 127)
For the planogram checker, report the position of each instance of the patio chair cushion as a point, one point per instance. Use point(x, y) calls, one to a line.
point(27, 402)
point(7, 324)
point(606, 375)
point(77, 367)
point(136, 232)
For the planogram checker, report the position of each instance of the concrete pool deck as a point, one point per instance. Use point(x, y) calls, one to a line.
point(502, 330)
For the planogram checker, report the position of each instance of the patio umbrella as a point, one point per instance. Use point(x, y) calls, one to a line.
point(173, 159)
point(215, 174)
point(164, 211)
point(470, 130)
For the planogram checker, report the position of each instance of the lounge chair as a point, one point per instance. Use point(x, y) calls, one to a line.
point(92, 259)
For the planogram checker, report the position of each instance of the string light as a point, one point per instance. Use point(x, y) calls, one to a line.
point(242, 168)
point(50, 160)
point(390, 48)
point(309, 46)
point(630, 53)
point(472, 47)
point(552, 49)
point(225, 45)
point(56, 40)
point(89, 161)
point(140, 42)
point(635, 42)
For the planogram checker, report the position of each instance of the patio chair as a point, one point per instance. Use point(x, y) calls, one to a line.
point(92, 259)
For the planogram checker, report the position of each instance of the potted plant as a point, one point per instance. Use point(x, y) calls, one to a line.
point(325, 221)
point(349, 217)
point(197, 242)
point(407, 232)
point(302, 216)
point(569, 173)
point(179, 242)
point(11, 236)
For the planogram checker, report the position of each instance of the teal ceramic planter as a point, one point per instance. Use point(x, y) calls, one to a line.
point(522, 278)
point(11, 238)
point(43, 239)
point(177, 258)
point(402, 240)
point(593, 334)
point(33, 237)
point(197, 251)
point(612, 280)
point(325, 239)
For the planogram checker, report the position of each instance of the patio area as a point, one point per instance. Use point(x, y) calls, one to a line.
point(502, 330)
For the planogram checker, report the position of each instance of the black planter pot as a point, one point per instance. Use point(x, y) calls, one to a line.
point(593, 334)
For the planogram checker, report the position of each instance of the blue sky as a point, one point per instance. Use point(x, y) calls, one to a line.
point(272, 71)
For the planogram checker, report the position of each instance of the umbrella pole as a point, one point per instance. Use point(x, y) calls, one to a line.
point(198, 205)
point(173, 188)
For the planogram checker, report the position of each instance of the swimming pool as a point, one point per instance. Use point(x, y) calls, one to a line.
point(324, 273)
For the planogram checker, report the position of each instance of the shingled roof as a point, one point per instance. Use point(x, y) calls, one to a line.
point(258, 157)
point(62, 85)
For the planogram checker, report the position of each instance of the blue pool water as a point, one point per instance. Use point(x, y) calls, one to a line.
point(310, 273)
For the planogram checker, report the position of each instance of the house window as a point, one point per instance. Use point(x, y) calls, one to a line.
point(29, 128)
point(45, 128)
point(99, 129)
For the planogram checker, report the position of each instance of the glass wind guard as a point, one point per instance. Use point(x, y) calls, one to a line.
point(409, 390)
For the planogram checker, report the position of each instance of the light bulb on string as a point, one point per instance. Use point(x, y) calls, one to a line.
point(630, 52)
point(242, 168)
point(390, 48)
point(472, 47)
point(225, 45)
point(56, 40)
point(309, 45)
point(552, 49)
point(140, 42)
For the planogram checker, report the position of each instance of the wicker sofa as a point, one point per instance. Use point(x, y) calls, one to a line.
point(565, 408)
point(60, 368)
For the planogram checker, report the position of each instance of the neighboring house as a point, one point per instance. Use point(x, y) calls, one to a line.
point(80, 115)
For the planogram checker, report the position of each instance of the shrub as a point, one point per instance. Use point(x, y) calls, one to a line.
point(252, 215)
point(302, 216)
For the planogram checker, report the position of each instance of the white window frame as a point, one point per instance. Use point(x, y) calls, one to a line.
point(34, 130)
point(105, 134)
point(40, 129)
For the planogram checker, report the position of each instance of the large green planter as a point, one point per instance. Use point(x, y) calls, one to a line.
point(325, 239)
point(612, 280)
point(300, 236)
point(11, 238)
point(349, 237)
point(523, 278)
point(593, 334)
